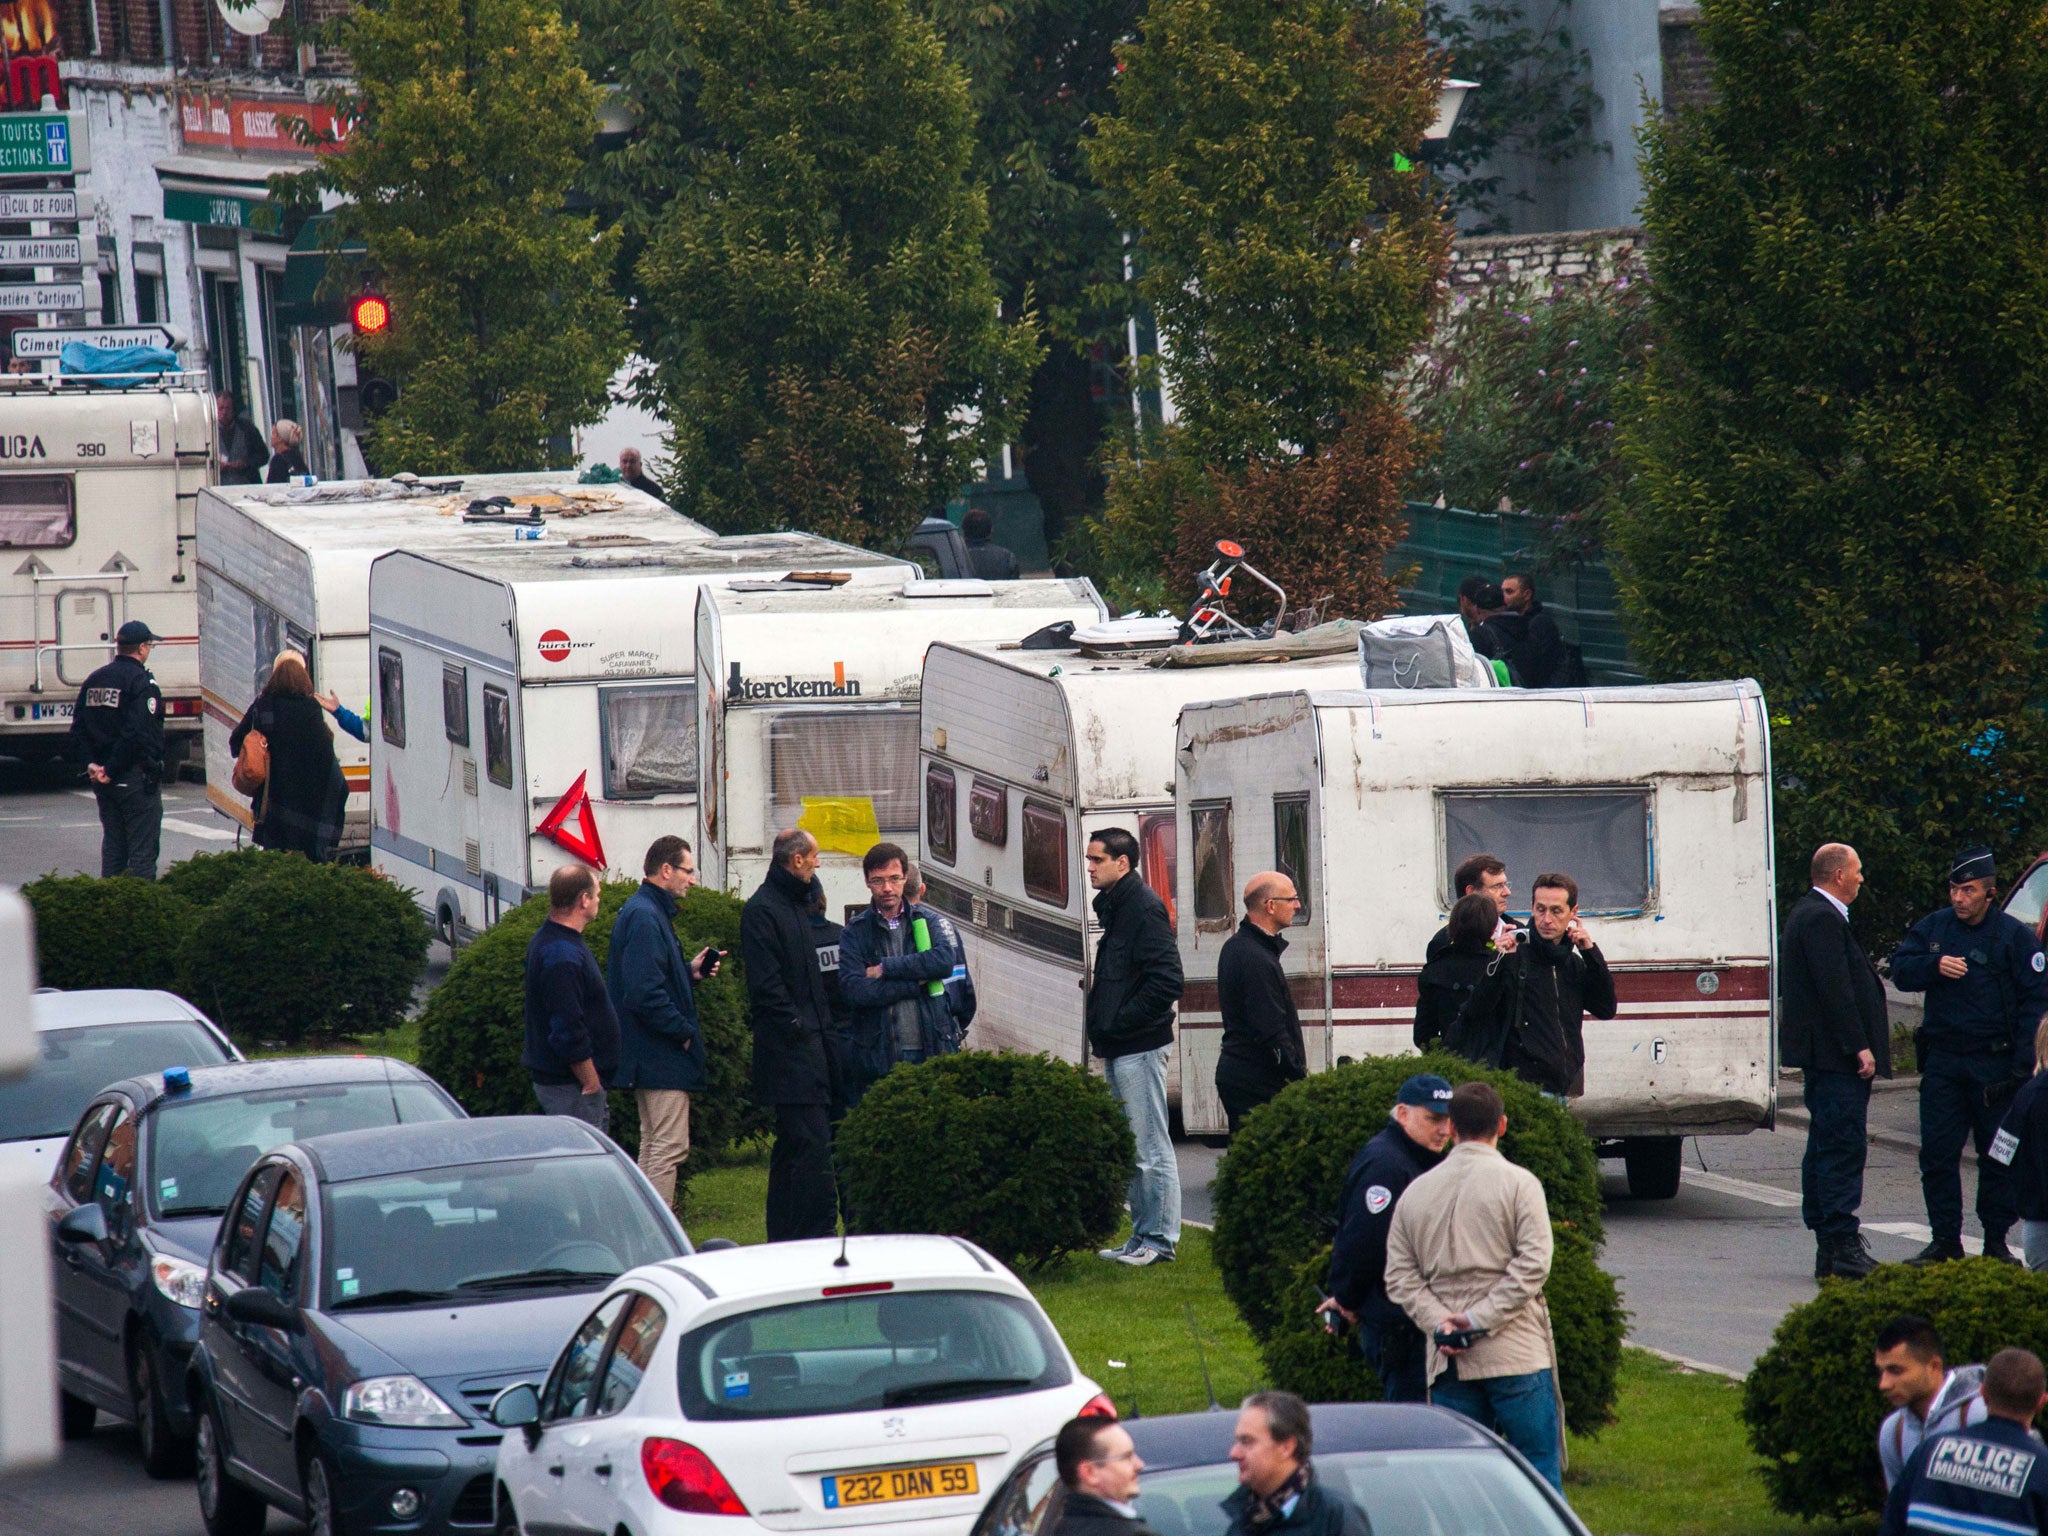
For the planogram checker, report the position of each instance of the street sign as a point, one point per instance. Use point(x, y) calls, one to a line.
point(36, 144)
point(33, 298)
point(50, 341)
point(38, 205)
point(40, 251)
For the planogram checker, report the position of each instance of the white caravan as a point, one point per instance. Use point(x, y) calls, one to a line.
point(1657, 800)
point(1024, 755)
point(507, 677)
point(97, 487)
point(290, 565)
point(808, 709)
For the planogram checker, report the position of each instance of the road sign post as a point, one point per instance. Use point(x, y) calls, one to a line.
point(50, 341)
point(42, 144)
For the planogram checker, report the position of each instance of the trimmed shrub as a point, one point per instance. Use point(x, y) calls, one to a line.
point(296, 950)
point(1811, 1401)
point(474, 1026)
point(1026, 1156)
point(107, 933)
point(1276, 1201)
point(206, 877)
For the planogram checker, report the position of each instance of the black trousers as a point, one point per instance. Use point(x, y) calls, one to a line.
point(1243, 1086)
point(803, 1200)
point(1399, 1356)
point(1831, 1173)
point(131, 827)
point(1961, 1099)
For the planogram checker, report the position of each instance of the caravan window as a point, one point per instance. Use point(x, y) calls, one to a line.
point(498, 735)
point(988, 811)
point(844, 754)
point(941, 841)
point(1155, 857)
point(1045, 852)
point(1600, 837)
point(1214, 886)
point(36, 512)
point(455, 703)
point(650, 741)
point(273, 632)
point(391, 695)
point(1290, 847)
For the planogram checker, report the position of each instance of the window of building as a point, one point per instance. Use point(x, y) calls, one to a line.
point(1156, 840)
point(147, 260)
point(1290, 847)
point(391, 695)
point(1600, 837)
point(1045, 852)
point(455, 703)
point(1214, 884)
point(988, 811)
point(497, 735)
point(941, 835)
point(37, 512)
point(844, 755)
point(650, 741)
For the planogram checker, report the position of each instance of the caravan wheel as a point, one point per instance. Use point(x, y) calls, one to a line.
point(448, 924)
point(1653, 1164)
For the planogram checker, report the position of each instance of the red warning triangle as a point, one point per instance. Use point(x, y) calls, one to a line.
point(583, 841)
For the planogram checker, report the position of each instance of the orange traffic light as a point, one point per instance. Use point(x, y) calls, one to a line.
point(370, 315)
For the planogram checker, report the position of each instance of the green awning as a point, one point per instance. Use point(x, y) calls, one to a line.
point(308, 297)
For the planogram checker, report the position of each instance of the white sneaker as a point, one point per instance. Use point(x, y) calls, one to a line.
point(1112, 1253)
point(1138, 1258)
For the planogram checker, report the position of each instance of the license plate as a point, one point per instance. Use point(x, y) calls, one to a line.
point(946, 1480)
point(49, 711)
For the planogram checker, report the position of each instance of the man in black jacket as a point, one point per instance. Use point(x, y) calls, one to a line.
point(1528, 1013)
point(572, 1034)
point(1262, 1051)
point(1832, 1026)
point(792, 1067)
point(117, 731)
point(1412, 1143)
point(1540, 648)
point(1098, 1467)
point(1277, 1492)
point(1136, 984)
point(1479, 874)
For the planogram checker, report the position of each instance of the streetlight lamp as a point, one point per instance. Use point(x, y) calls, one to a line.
point(1450, 99)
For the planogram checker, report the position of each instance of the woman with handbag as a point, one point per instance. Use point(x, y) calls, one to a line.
point(285, 763)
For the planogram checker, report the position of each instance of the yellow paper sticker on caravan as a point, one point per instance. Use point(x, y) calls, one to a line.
point(841, 823)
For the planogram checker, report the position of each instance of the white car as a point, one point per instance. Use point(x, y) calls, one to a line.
point(88, 1040)
point(793, 1389)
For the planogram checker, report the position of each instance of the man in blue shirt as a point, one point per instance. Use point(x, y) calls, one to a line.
point(1989, 1479)
point(572, 1035)
point(1986, 982)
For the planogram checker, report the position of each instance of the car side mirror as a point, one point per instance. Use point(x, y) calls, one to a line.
point(714, 1244)
point(86, 1224)
point(254, 1304)
point(517, 1407)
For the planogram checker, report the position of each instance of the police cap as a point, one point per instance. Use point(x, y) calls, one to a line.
point(1972, 864)
point(135, 632)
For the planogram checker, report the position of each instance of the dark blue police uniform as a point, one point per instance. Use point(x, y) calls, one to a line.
point(118, 723)
point(1987, 1480)
point(1976, 1048)
point(1392, 1345)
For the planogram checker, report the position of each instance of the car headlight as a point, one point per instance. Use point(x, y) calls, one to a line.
point(405, 1401)
point(179, 1280)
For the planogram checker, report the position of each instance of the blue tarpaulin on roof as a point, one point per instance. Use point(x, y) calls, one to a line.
point(79, 357)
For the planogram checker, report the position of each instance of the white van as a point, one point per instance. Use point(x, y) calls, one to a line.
point(290, 566)
point(807, 705)
point(1657, 800)
point(1026, 753)
point(513, 679)
point(96, 505)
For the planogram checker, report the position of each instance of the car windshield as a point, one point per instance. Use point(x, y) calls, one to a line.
point(1478, 1492)
point(78, 1063)
point(200, 1149)
point(487, 1229)
point(840, 1354)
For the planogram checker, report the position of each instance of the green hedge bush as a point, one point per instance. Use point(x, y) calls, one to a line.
point(474, 1025)
point(1811, 1402)
point(1026, 1156)
point(108, 933)
point(1276, 1201)
point(206, 877)
point(293, 950)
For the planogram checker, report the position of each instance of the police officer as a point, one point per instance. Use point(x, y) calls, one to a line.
point(1412, 1143)
point(1989, 1478)
point(117, 730)
point(1987, 987)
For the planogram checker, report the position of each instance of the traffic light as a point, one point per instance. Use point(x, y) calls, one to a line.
point(370, 314)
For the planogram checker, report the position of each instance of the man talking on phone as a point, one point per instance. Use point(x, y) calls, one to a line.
point(1528, 1012)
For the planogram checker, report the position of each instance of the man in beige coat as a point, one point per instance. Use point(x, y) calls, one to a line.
point(1468, 1253)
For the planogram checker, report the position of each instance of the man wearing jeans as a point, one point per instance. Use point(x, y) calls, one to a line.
point(572, 1035)
point(1136, 984)
point(1467, 1256)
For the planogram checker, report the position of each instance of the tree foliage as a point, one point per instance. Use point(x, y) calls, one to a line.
point(469, 120)
point(826, 337)
point(1838, 439)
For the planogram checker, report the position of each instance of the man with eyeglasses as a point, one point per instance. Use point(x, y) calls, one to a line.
point(1098, 1467)
point(1262, 1051)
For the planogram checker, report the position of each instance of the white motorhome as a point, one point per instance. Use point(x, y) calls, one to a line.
point(97, 487)
point(1657, 800)
point(807, 706)
point(1024, 754)
point(506, 677)
point(290, 566)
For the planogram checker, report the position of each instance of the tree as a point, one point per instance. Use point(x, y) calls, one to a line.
point(826, 334)
point(1838, 439)
point(469, 121)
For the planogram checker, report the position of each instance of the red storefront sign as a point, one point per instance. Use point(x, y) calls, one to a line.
point(254, 123)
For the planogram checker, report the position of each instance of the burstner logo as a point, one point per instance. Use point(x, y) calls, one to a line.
point(834, 687)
